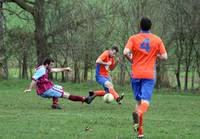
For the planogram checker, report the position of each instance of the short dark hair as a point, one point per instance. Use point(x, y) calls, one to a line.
point(145, 24)
point(115, 48)
point(48, 61)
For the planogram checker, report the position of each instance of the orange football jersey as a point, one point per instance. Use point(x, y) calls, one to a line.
point(145, 47)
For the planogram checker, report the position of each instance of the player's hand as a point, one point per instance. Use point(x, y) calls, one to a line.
point(109, 63)
point(27, 90)
point(68, 69)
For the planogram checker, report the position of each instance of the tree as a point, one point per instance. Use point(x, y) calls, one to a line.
point(3, 57)
point(185, 34)
point(37, 10)
point(20, 45)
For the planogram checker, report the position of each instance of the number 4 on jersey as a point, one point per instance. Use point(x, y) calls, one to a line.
point(145, 45)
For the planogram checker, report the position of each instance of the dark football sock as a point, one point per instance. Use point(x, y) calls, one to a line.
point(75, 98)
point(55, 100)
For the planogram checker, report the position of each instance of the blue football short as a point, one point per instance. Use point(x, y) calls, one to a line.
point(55, 91)
point(101, 80)
point(142, 88)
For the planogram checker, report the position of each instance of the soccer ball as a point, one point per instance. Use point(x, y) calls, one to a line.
point(108, 98)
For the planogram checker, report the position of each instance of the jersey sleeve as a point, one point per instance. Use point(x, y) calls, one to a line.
point(103, 55)
point(161, 48)
point(129, 44)
point(39, 73)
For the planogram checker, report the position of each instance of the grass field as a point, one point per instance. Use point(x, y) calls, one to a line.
point(27, 116)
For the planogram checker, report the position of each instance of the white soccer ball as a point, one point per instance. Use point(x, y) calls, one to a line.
point(108, 98)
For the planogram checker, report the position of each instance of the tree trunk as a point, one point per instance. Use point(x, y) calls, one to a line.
point(63, 77)
point(178, 75)
point(24, 67)
point(20, 68)
point(86, 67)
point(179, 54)
point(66, 73)
point(3, 59)
point(186, 79)
point(188, 61)
point(63, 74)
point(158, 80)
point(193, 78)
point(40, 40)
point(162, 77)
point(56, 65)
point(91, 73)
point(30, 71)
point(122, 74)
point(76, 72)
point(38, 13)
point(198, 71)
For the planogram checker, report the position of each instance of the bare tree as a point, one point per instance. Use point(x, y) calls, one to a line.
point(185, 32)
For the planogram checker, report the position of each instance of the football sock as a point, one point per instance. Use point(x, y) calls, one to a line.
point(141, 120)
point(143, 107)
point(114, 93)
point(100, 93)
point(75, 98)
point(140, 130)
point(55, 100)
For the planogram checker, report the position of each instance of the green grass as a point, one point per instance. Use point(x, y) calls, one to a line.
point(28, 116)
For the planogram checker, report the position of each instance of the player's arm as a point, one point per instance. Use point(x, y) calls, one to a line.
point(162, 56)
point(127, 55)
point(128, 49)
point(61, 69)
point(162, 53)
point(31, 86)
point(38, 74)
point(100, 61)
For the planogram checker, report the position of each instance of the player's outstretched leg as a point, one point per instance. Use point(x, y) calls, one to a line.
point(90, 97)
point(99, 93)
point(82, 99)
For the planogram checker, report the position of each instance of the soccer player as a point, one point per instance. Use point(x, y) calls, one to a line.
point(144, 49)
point(104, 63)
point(47, 89)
